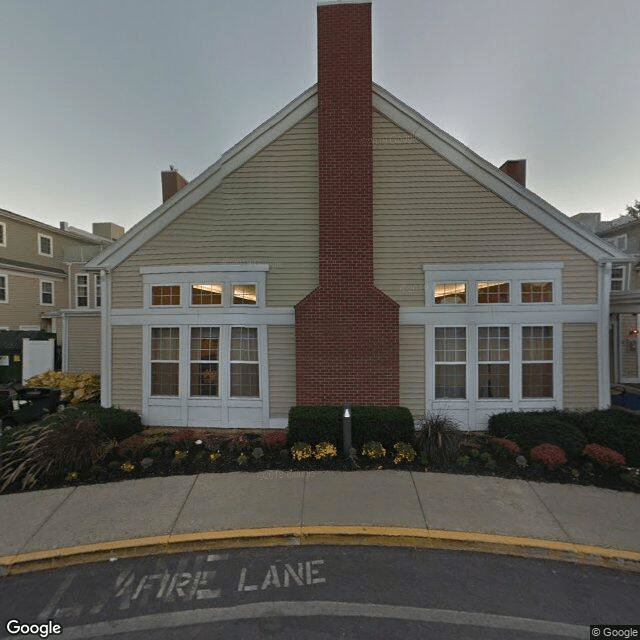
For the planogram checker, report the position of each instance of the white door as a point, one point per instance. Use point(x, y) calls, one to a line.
point(37, 357)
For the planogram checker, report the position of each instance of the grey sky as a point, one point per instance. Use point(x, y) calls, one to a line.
point(98, 96)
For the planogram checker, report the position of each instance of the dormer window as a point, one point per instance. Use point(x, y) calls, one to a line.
point(45, 245)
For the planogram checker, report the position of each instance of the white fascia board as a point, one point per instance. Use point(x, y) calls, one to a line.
point(493, 178)
point(208, 180)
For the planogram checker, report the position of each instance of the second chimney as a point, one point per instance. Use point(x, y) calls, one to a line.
point(516, 169)
point(172, 182)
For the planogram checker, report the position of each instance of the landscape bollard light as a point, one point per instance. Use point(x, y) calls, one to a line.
point(346, 428)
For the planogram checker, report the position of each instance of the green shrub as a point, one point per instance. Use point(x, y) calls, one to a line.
point(438, 438)
point(615, 429)
point(115, 423)
point(316, 424)
point(529, 429)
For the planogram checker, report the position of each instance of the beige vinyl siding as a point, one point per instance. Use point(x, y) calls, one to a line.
point(426, 211)
point(412, 369)
point(23, 306)
point(126, 367)
point(83, 344)
point(282, 370)
point(580, 355)
point(264, 212)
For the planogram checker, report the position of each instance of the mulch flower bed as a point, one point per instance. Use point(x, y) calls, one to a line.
point(162, 452)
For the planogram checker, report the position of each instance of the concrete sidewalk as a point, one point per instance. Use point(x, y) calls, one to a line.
point(53, 527)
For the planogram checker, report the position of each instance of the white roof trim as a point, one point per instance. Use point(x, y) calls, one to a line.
point(406, 118)
point(491, 177)
point(208, 180)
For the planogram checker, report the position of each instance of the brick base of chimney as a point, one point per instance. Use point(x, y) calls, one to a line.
point(347, 348)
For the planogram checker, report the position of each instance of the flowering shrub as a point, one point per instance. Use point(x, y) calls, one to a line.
point(182, 436)
point(404, 451)
point(603, 455)
point(325, 450)
point(71, 476)
point(127, 467)
point(237, 443)
point(181, 453)
point(214, 455)
point(242, 459)
point(373, 450)
point(273, 440)
point(509, 446)
point(549, 454)
point(301, 451)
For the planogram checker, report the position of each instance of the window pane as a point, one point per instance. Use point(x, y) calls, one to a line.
point(47, 292)
point(451, 381)
point(45, 245)
point(164, 378)
point(451, 293)
point(3, 288)
point(204, 379)
point(537, 343)
point(244, 294)
point(537, 291)
point(165, 295)
point(493, 344)
point(493, 380)
point(244, 344)
point(206, 294)
point(165, 343)
point(244, 380)
point(204, 343)
point(451, 344)
point(537, 380)
point(492, 292)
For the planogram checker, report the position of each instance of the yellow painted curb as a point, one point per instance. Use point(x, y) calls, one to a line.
point(324, 535)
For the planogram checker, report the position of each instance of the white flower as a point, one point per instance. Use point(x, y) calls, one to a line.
point(198, 441)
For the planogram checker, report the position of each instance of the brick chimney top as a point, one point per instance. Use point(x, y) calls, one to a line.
point(517, 169)
point(172, 182)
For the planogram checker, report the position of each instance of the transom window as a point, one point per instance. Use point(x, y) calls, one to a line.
point(46, 292)
point(451, 293)
point(532, 292)
point(165, 295)
point(537, 362)
point(165, 361)
point(451, 358)
point(492, 292)
point(45, 245)
point(82, 290)
point(4, 289)
point(206, 294)
point(244, 294)
point(205, 343)
point(244, 362)
point(494, 358)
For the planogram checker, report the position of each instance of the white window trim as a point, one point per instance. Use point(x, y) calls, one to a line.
point(476, 356)
point(150, 362)
point(205, 306)
point(218, 362)
point(523, 362)
point(622, 279)
point(230, 362)
point(6, 288)
point(3, 239)
point(241, 284)
point(53, 294)
point(41, 236)
point(620, 241)
point(97, 287)
point(76, 305)
point(465, 362)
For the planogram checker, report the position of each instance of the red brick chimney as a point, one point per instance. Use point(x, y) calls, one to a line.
point(172, 182)
point(517, 169)
point(347, 342)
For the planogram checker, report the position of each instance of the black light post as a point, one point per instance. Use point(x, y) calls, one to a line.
point(346, 428)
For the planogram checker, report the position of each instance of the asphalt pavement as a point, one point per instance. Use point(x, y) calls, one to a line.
point(58, 527)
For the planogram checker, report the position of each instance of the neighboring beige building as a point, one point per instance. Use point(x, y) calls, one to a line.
point(493, 299)
point(624, 234)
point(43, 285)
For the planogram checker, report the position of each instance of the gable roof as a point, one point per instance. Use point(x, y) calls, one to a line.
point(406, 118)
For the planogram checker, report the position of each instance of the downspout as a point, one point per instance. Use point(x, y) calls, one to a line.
point(105, 341)
point(604, 296)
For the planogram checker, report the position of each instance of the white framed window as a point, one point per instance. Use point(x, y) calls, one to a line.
point(165, 295)
point(450, 293)
point(82, 290)
point(245, 294)
point(45, 245)
point(98, 290)
point(206, 294)
point(494, 362)
point(620, 241)
point(4, 287)
point(3, 234)
point(537, 362)
point(493, 292)
point(536, 292)
point(244, 362)
point(204, 361)
point(450, 362)
point(618, 278)
point(165, 361)
point(46, 292)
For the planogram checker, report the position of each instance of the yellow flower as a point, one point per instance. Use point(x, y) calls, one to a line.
point(325, 450)
point(373, 450)
point(71, 476)
point(127, 466)
point(214, 456)
point(301, 451)
point(181, 454)
point(404, 451)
